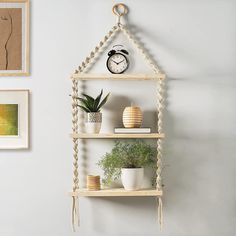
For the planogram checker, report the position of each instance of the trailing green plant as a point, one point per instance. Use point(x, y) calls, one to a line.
point(134, 154)
point(90, 104)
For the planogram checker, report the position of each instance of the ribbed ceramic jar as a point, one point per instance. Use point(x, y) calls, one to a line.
point(93, 182)
point(93, 122)
point(132, 117)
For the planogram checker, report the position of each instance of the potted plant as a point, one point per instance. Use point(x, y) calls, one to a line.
point(92, 107)
point(127, 160)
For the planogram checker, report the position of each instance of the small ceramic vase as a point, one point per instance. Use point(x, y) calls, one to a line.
point(132, 178)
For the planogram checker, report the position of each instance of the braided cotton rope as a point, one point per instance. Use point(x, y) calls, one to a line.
point(75, 212)
point(143, 52)
point(88, 61)
point(161, 92)
point(159, 128)
point(99, 48)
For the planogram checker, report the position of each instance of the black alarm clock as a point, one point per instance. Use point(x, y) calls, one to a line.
point(117, 62)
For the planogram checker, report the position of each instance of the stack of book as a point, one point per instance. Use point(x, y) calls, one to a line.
point(132, 130)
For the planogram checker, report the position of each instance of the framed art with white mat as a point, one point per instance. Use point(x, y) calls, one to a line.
point(14, 119)
point(14, 40)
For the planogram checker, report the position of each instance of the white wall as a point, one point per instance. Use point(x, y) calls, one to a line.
point(194, 43)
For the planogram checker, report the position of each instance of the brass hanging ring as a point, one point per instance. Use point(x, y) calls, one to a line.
point(120, 9)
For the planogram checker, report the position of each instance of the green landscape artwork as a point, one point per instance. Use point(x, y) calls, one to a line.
point(8, 119)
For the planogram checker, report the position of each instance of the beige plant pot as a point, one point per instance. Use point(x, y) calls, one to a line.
point(132, 178)
point(93, 122)
point(132, 117)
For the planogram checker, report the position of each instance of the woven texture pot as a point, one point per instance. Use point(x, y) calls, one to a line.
point(93, 117)
point(93, 122)
point(132, 117)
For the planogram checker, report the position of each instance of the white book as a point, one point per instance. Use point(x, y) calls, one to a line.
point(132, 130)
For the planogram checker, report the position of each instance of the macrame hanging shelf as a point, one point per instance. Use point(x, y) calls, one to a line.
point(80, 74)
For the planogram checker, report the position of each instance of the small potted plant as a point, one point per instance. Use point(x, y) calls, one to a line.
point(92, 107)
point(127, 160)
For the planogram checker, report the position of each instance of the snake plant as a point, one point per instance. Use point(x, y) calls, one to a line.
point(90, 104)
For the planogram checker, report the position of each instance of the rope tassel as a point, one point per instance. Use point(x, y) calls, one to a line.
point(75, 213)
point(75, 200)
point(160, 212)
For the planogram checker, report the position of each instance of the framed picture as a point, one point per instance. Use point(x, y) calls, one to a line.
point(14, 119)
point(14, 37)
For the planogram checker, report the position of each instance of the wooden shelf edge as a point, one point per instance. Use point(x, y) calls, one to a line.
point(117, 136)
point(118, 76)
point(117, 193)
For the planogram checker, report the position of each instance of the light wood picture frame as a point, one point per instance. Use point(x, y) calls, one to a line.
point(14, 40)
point(14, 119)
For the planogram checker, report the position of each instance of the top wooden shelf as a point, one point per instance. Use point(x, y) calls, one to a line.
point(118, 76)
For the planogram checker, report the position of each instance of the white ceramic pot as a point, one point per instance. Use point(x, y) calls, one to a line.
point(132, 178)
point(93, 122)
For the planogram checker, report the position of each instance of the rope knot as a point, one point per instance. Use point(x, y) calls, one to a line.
point(119, 10)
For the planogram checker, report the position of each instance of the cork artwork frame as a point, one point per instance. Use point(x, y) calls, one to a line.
point(14, 119)
point(14, 40)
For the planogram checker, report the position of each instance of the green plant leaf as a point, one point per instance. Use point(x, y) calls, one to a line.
point(84, 108)
point(126, 155)
point(89, 98)
point(97, 100)
point(103, 101)
point(84, 102)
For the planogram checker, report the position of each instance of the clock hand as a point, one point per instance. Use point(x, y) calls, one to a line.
point(115, 62)
point(120, 62)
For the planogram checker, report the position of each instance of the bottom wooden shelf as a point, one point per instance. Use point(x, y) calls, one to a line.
point(117, 192)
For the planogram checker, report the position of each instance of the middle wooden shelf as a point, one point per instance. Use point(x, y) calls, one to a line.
point(117, 136)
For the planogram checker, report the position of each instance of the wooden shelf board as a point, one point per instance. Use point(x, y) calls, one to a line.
point(117, 136)
point(120, 192)
point(118, 76)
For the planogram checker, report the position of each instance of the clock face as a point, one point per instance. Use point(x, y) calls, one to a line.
point(117, 63)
